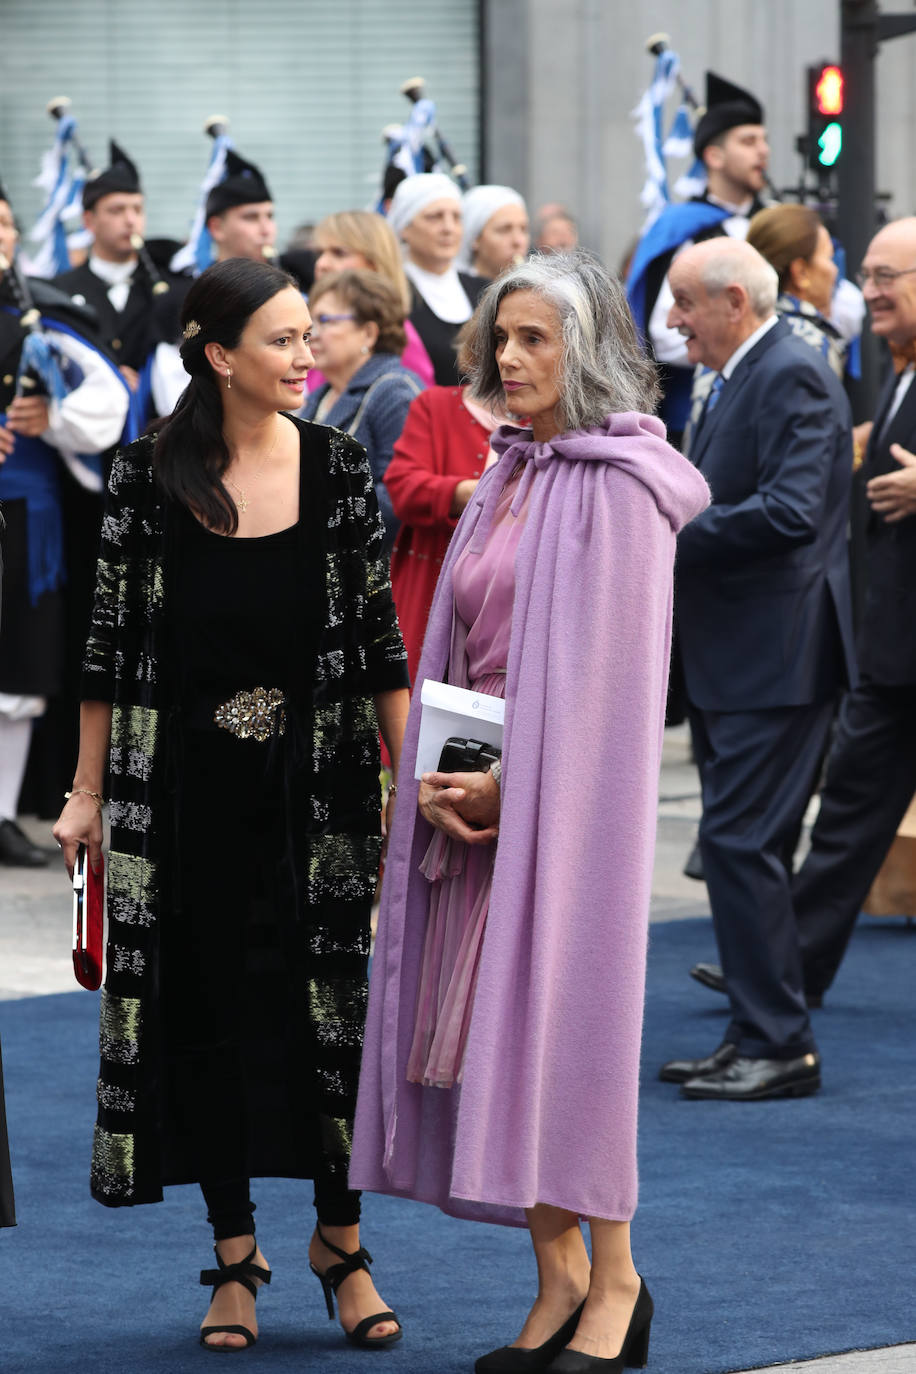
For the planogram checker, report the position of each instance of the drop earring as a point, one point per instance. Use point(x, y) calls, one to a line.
point(228, 378)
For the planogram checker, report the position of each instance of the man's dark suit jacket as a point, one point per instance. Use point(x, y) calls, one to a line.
point(887, 635)
point(129, 333)
point(763, 594)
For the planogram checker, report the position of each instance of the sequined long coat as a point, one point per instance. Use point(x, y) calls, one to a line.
point(359, 653)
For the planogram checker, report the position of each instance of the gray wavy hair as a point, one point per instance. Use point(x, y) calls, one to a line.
point(602, 368)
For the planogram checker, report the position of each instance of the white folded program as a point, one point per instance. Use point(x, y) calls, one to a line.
point(448, 711)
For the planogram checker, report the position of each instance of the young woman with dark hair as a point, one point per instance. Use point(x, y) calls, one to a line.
point(243, 656)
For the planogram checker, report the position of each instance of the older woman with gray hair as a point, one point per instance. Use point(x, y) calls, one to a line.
point(500, 1071)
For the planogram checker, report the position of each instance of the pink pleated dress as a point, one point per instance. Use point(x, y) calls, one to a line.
point(460, 875)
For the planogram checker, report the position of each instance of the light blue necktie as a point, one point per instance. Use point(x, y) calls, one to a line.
point(713, 398)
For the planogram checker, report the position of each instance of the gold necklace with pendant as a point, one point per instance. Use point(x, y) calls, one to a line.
point(243, 503)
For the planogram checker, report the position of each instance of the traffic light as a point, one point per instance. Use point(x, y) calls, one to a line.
point(826, 99)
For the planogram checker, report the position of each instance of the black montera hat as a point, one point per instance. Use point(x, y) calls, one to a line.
point(121, 177)
point(727, 106)
point(243, 184)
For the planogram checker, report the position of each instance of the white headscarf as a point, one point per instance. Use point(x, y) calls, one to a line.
point(414, 193)
point(478, 207)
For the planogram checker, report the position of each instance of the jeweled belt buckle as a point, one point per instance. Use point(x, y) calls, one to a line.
point(253, 715)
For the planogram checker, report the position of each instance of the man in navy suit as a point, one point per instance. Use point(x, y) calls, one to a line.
point(764, 616)
point(871, 775)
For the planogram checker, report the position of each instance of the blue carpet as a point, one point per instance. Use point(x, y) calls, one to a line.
point(767, 1232)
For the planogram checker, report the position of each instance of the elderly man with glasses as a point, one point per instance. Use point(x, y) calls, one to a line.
point(871, 775)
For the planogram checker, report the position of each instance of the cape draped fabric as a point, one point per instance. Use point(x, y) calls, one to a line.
point(547, 1108)
point(359, 652)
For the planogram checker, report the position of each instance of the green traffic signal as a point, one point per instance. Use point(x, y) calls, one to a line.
point(830, 144)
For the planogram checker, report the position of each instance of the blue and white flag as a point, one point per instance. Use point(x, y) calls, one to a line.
point(197, 254)
point(649, 115)
point(679, 142)
point(406, 142)
point(62, 179)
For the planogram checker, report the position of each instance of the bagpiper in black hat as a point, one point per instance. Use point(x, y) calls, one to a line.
point(243, 184)
point(727, 106)
point(119, 178)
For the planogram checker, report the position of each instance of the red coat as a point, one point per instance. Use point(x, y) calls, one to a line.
point(441, 445)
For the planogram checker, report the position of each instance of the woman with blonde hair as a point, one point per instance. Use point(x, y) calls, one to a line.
point(354, 240)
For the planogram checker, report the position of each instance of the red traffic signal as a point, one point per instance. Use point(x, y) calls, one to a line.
point(828, 91)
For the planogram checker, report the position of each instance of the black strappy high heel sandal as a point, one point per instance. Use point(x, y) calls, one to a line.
point(243, 1272)
point(331, 1280)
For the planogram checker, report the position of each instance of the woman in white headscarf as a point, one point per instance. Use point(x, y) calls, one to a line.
point(496, 232)
point(425, 214)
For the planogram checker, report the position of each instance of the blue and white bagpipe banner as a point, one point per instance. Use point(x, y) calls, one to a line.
point(649, 117)
point(44, 362)
point(198, 253)
point(679, 144)
point(407, 142)
point(62, 178)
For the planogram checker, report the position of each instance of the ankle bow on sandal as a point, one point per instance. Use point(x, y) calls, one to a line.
point(334, 1276)
point(243, 1272)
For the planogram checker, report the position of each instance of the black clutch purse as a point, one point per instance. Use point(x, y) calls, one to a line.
point(467, 756)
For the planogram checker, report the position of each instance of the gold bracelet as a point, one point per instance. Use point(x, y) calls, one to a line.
point(84, 791)
point(392, 789)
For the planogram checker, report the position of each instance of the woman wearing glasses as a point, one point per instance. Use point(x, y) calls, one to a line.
point(357, 340)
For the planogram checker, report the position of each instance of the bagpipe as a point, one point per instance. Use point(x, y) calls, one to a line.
point(197, 253)
point(418, 145)
point(678, 142)
point(65, 169)
point(41, 366)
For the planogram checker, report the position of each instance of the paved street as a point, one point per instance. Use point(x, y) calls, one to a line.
point(35, 955)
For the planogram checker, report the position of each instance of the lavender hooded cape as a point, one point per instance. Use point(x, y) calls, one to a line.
point(546, 1111)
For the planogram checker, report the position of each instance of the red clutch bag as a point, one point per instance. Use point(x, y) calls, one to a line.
point(88, 907)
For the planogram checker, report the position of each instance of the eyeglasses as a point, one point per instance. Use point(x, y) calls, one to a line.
point(332, 319)
point(881, 276)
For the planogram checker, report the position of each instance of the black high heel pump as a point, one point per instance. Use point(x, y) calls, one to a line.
point(334, 1276)
point(515, 1359)
point(634, 1353)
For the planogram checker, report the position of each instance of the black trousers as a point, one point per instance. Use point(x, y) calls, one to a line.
point(757, 771)
point(871, 779)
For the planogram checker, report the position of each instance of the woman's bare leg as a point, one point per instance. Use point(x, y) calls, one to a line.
point(563, 1272)
point(612, 1292)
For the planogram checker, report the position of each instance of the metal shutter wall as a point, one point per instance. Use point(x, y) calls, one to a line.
point(307, 84)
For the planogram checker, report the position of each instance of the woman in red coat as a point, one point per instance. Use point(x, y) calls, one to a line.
point(437, 463)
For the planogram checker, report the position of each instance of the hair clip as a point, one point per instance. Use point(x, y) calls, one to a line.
point(191, 329)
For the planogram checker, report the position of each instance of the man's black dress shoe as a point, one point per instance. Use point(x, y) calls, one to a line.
point(693, 868)
point(710, 975)
point(517, 1359)
point(17, 850)
point(680, 1070)
point(753, 1080)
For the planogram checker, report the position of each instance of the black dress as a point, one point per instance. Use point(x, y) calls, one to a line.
point(234, 1041)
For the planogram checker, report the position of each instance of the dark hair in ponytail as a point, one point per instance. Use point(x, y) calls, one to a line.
point(191, 456)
